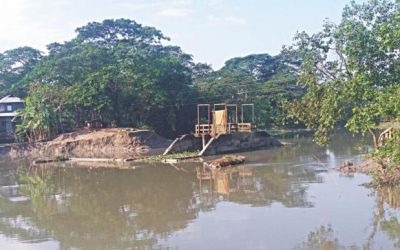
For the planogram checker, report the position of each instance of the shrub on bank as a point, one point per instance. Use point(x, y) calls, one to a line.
point(387, 171)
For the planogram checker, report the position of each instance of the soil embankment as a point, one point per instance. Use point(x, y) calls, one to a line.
point(385, 171)
point(100, 143)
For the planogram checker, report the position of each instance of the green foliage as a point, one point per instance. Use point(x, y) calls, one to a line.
point(119, 73)
point(322, 238)
point(111, 32)
point(349, 70)
point(351, 75)
point(261, 79)
point(390, 149)
point(15, 64)
point(44, 115)
point(160, 158)
point(388, 160)
point(392, 227)
point(37, 187)
point(35, 119)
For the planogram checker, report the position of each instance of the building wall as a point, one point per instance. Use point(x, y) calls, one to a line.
point(7, 129)
point(7, 125)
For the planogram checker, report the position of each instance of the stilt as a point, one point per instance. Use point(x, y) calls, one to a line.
point(203, 140)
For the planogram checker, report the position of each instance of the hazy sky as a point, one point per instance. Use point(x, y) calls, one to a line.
point(211, 30)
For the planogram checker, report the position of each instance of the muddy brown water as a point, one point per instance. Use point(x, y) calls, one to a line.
point(283, 198)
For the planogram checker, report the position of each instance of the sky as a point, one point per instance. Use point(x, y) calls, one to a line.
point(213, 31)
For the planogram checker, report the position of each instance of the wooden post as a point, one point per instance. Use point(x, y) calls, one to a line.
point(208, 113)
point(198, 117)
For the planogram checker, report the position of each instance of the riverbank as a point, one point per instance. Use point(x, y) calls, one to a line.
point(384, 171)
point(129, 144)
point(110, 143)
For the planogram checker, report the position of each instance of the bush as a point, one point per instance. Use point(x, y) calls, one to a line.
point(388, 159)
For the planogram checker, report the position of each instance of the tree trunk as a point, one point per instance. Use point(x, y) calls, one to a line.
point(375, 140)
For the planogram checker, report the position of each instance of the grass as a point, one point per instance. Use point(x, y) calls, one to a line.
point(160, 158)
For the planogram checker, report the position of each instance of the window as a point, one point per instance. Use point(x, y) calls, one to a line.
point(2, 108)
point(9, 108)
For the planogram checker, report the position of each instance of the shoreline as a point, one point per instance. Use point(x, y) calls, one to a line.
point(384, 172)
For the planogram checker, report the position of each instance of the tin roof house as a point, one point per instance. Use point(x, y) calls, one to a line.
point(8, 107)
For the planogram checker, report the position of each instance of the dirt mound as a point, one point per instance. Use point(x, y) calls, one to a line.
point(100, 143)
point(365, 167)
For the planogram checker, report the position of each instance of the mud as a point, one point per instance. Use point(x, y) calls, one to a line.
point(100, 143)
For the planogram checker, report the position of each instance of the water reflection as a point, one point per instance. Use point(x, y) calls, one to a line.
point(109, 208)
point(323, 238)
point(99, 209)
point(255, 186)
point(389, 201)
point(146, 207)
point(385, 221)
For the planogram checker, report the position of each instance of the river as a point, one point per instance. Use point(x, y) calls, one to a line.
point(282, 198)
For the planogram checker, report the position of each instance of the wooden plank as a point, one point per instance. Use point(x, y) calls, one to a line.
point(170, 146)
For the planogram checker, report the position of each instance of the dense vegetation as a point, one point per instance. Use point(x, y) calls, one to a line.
point(351, 70)
point(120, 73)
point(351, 74)
point(117, 72)
point(261, 79)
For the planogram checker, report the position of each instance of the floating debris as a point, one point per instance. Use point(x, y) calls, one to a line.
point(347, 167)
point(226, 161)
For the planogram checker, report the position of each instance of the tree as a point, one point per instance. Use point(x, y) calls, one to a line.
point(38, 119)
point(261, 79)
point(15, 64)
point(118, 72)
point(201, 70)
point(111, 32)
point(347, 69)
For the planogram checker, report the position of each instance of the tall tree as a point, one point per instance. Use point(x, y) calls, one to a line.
point(118, 72)
point(15, 64)
point(348, 68)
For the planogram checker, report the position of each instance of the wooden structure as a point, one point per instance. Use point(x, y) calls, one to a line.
point(222, 118)
point(226, 181)
point(385, 135)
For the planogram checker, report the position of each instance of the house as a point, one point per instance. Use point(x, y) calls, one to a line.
point(8, 106)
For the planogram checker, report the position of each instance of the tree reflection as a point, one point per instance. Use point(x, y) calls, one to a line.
point(321, 239)
point(99, 209)
point(391, 225)
point(388, 198)
point(255, 186)
point(111, 208)
point(104, 208)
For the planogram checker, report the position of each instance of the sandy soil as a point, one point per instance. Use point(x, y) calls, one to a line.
point(99, 143)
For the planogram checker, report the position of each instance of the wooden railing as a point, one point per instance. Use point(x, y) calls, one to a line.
point(208, 129)
point(232, 127)
point(384, 136)
point(203, 129)
point(246, 127)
